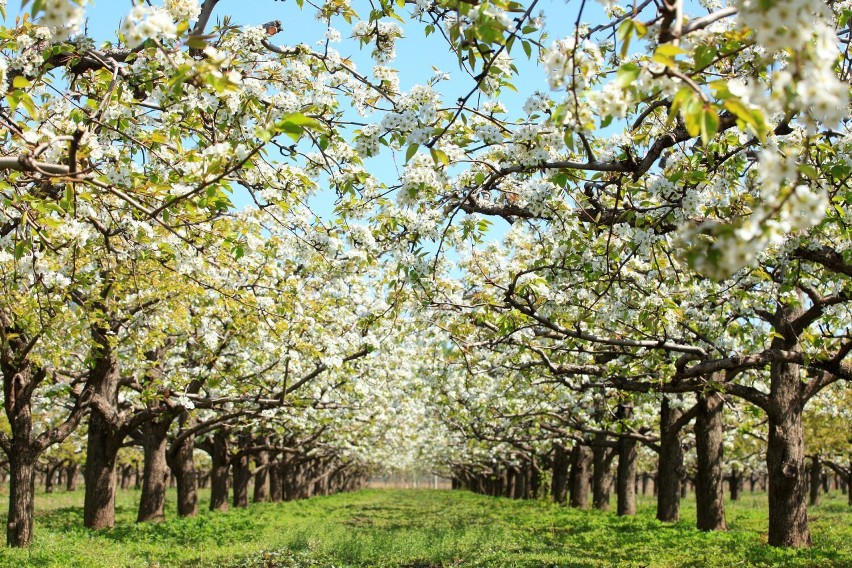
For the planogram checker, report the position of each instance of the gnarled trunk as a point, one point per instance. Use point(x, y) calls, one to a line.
point(734, 483)
point(670, 467)
point(180, 461)
point(785, 459)
point(559, 479)
point(709, 489)
point(219, 471)
point(155, 473)
point(105, 436)
point(104, 441)
point(71, 471)
point(276, 483)
point(242, 476)
point(581, 460)
point(602, 474)
point(814, 484)
point(626, 482)
point(19, 525)
point(261, 478)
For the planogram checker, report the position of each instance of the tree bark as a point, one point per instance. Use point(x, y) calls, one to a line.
point(815, 479)
point(71, 472)
point(521, 482)
point(155, 474)
point(559, 479)
point(276, 485)
point(709, 489)
point(242, 476)
point(626, 482)
point(602, 474)
point(104, 438)
point(219, 471)
point(102, 449)
point(50, 475)
point(785, 459)
point(581, 460)
point(670, 467)
point(24, 447)
point(261, 478)
point(19, 525)
point(181, 462)
point(734, 484)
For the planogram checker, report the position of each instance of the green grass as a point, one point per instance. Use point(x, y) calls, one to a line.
point(423, 528)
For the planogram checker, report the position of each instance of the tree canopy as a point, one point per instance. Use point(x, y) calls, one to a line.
point(606, 221)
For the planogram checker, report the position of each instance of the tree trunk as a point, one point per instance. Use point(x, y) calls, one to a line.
point(125, 473)
point(19, 525)
point(734, 484)
point(581, 460)
point(709, 490)
point(71, 472)
point(276, 486)
point(242, 476)
point(182, 464)
point(521, 485)
point(626, 489)
point(559, 480)
point(535, 479)
point(785, 459)
point(602, 475)
point(155, 474)
point(101, 452)
point(261, 478)
point(219, 471)
point(670, 465)
point(49, 475)
point(137, 477)
point(104, 439)
point(815, 478)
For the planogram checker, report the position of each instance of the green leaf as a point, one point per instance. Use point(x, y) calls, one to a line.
point(709, 123)
point(669, 50)
point(439, 156)
point(704, 56)
point(625, 30)
point(809, 171)
point(28, 104)
point(681, 98)
point(294, 125)
point(20, 248)
point(411, 151)
point(20, 82)
point(627, 75)
point(751, 117)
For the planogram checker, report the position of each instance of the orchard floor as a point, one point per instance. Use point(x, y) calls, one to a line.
point(423, 528)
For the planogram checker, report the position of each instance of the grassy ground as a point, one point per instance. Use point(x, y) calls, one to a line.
point(423, 528)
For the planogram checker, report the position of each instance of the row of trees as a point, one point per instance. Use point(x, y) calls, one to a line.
point(676, 219)
point(140, 308)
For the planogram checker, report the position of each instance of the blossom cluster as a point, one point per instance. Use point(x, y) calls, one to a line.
point(800, 27)
point(571, 66)
point(183, 9)
point(63, 18)
point(383, 34)
point(146, 22)
point(786, 205)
